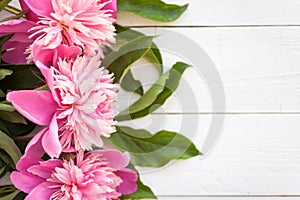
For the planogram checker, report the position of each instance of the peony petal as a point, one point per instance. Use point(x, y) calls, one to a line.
point(34, 147)
point(29, 15)
point(50, 140)
point(112, 5)
point(41, 192)
point(25, 162)
point(15, 26)
point(17, 53)
point(40, 8)
point(129, 178)
point(25, 181)
point(45, 169)
point(116, 159)
point(37, 106)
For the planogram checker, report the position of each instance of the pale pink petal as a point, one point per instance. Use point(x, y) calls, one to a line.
point(41, 8)
point(50, 140)
point(116, 159)
point(41, 192)
point(25, 181)
point(34, 148)
point(37, 106)
point(129, 178)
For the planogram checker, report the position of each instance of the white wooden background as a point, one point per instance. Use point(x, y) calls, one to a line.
point(255, 46)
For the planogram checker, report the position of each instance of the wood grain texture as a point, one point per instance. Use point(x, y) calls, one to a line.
point(259, 68)
point(256, 155)
point(227, 13)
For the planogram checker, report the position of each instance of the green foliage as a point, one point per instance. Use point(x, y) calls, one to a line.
point(155, 150)
point(8, 145)
point(156, 95)
point(119, 62)
point(155, 9)
point(3, 3)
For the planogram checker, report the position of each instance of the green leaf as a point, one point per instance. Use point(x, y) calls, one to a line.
point(4, 73)
point(153, 151)
point(6, 107)
point(3, 3)
point(8, 145)
point(156, 95)
point(155, 9)
point(23, 77)
point(119, 62)
point(13, 117)
point(2, 94)
point(130, 84)
point(13, 129)
point(10, 196)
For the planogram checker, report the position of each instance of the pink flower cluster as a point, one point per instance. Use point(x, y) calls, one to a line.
point(64, 39)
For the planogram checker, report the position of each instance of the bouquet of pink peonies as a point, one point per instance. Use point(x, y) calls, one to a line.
point(62, 65)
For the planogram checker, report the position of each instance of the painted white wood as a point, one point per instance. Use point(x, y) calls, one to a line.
point(227, 13)
point(256, 155)
point(259, 68)
point(227, 198)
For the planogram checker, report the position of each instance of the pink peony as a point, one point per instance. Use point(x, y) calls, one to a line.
point(16, 46)
point(99, 174)
point(79, 108)
point(86, 24)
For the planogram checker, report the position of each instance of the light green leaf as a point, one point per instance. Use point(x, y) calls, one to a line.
point(6, 107)
point(153, 151)
point(155, 9)
point(10, 196)
point(119, 62)
point(8, 145)
point(156, 95)
point(13, 117)
point(4, 73)
point(3, 3)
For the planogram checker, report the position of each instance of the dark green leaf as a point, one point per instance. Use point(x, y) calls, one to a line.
point(153, 151)
point(156, 95)
point(10, 196)
point(5, 72)
point(13, 117)
point(2, 94)
point(8, 145)
point(119, 62)
point(155, 9)
point(16, 129)
point(23, 77)
point(3, 3)
point(130, 84)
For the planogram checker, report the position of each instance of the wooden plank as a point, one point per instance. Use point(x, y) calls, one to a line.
point(227, 198)
point(256, 155)
point(224, 13)
point(259, 68)
point(227, 13)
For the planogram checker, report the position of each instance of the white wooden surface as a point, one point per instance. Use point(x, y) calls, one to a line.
point(255, 46)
